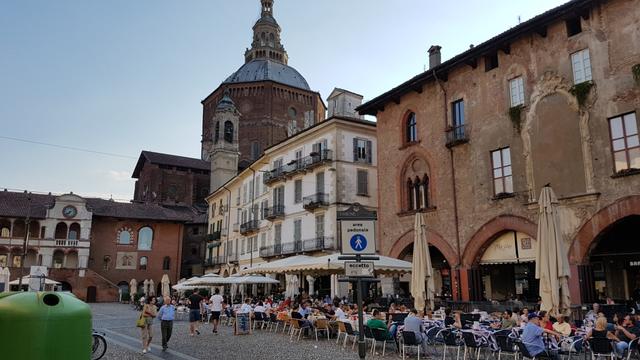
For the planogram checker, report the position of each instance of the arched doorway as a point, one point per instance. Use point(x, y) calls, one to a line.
point(91, 294)
point(65, 286)
point(441, 273)
point(615, 261)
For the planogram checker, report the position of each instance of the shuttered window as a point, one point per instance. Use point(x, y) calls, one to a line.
point(362, 150)
point(297, 230)
point(516, 88)
point(363, 182)
point(297, 185)
point(320, 182)
point(581, 64)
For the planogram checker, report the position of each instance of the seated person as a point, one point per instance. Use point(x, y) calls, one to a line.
point(533, 341)
point(377, 322)
point(392, 308)
point(626, 331)
point(506, 322)
point(413, 324)
point(448, 319)
point(562, 326)
point(341, 314)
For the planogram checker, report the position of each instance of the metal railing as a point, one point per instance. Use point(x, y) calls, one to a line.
point(318, 243)
point(274, 212)
point(249, 227)
point(315, 201)
point(457, 135)
point(214, 236)
point(305, 163)
point(292, 247)
point(232, 258)
point(271, 251)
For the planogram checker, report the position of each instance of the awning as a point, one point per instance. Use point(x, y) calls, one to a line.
point(510, 248)
point(25, 281)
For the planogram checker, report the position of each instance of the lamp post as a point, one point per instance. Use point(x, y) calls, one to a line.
point(25, 241)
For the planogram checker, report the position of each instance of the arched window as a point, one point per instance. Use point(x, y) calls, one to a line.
point(263, 39)
point(217, 132)
point(425, 191)
point(74, 232)
point(166, 263)
point(410, 198)
point(143, 263)
point(61, 231)
point(415, 189)
point(228, 131)
point(5, 232)
point(145, 238)
point(124, 237)
point(58, 259)
point(272, 40)
point(411, 128)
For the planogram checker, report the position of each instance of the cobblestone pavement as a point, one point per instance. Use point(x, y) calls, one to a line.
point(117, 321)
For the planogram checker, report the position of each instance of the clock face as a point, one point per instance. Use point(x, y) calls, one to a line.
point(69, 211)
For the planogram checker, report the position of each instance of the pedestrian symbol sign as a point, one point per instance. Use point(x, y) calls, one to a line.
point(358, 242)
point(358, 237)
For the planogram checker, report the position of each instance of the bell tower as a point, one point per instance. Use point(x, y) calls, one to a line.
point(224, 153)
point(266, 38)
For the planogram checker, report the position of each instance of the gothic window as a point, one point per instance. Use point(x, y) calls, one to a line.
point(217, 132)
point(145, 238)
point(228, 131)
point(124, 236)
point(415, 188)
point(411, 128)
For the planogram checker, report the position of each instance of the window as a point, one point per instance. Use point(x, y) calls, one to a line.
point(411, 131)
point(278, 196)
point(3, 260)
point(362, 150)
point(263, 240)
point(106, 261)
point(297, 191)
point(61, 231)
point(297, 230)
point(277, 164)
point(320, 182)
point(581, 64)
point(255, 243)
point(573, 26)
point(166, 263)
point(418, 193)
point(5, 232)
point(242, 246)
point(143, 263)
point(491, 61)
point(363, 183)
point(251, 190)
point(516, 89)
point(624, 142)
point(238, 197)
point(502, 177)
point(213, 209)
point(124, 237)
point(244, 193)
point(320, 226)
point(457, 113)
point(228, 131)
point(258, 182)
point(145, 238)
point(74, 232)
point(255, 150)
point(17, 261)
point(217, 132)
point(319, 147)
point(277, 234)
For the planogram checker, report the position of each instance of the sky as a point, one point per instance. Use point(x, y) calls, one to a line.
point(118, 77)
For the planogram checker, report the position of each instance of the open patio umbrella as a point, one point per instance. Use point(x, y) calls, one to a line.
point(152, 288)
point(133, 287)
point(166, 289)
point(421, 270)
point(552, 264)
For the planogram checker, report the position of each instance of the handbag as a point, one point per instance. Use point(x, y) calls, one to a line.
point(141, 322)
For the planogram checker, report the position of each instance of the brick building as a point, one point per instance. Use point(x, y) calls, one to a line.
point(471, 142)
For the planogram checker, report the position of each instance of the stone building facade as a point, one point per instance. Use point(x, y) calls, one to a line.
point(471, 142)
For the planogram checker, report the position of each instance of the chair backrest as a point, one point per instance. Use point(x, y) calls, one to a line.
point(399, 317)
point(449, 337)
point(295, 323)
point(367, 332)
point(379, 334)
point(322, 324)
point(296, 315)
point(259, 316)
point(410, 338)
point(273, 317)
point(523, 349)
point(348, 328)
point(600, 345)
point(469, 339)
point(505, 343)
point(341, 327)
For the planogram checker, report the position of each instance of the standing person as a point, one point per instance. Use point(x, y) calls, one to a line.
point(149, 311)
point(194, 312)
point(166, 314)
point(216, 308)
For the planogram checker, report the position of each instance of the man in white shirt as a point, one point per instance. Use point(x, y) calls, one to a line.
point(340, 315)
point(216, 309)
point(246, 307)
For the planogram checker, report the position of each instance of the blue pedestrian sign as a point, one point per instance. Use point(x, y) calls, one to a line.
point(358, 237)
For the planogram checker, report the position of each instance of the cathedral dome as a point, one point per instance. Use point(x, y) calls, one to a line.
point(264, 70)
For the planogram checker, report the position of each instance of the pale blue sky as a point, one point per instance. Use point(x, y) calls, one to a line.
point(121, 76)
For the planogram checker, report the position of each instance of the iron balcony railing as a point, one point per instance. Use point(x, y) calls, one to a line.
point(271, 251)
point(214, 236)
point(249, 227)
point(232, 258)
point(274, 212)
point(294, 166)
point(292, 247)
point(315, 201)
point(318, 243)
point(215, 260)
point(457, 135)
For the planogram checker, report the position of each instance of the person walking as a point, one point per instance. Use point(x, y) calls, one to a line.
point(166, 314)
point(194, 312)
point(216, 308)
point(149, 311)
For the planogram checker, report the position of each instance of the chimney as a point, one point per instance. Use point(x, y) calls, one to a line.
point(434, 56)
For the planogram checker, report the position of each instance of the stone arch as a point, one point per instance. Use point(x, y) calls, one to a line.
point(488, 232)
point(433, 239)
point(415, 164)
point(584, 240)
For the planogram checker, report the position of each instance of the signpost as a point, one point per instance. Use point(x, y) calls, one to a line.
point(358, 240)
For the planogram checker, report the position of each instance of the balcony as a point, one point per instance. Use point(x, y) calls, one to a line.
point(235, 227)
point(249, 227)
point(274, 212)
point(271, 251)
point(292, 247)
point(318, 243)
point(232, 258)
point(457, 135)
point(66, 242)
point(304, 164)
point(315, 201)
point(214, 236)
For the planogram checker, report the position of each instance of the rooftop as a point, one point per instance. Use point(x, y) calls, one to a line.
point(169, 160)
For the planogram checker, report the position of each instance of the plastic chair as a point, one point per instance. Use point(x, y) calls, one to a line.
point(322, 325)
point(296, 327)
point(368, 337)
point(258, 319)
point(410, 340)
point(472, 342)
point(633, 348)
point(341, 330)
point(449, 338)
point(350, 333)
point(506, 345)
point(601, 347)
point(380, 335)
point(522, 346)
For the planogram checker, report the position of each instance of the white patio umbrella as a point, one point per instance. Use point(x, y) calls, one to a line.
point(421, 267)
point(152, 288)
point(251, 279)
point(552, 264)
point(133, 287)
point(145, 287)
point(166, 289)
point(208, 280)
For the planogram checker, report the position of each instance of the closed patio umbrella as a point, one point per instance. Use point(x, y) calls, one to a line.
point(152, 288)
point(166, 289)
point(133, 287)
point(145, 287)
point(421, 270)
point(552, 264)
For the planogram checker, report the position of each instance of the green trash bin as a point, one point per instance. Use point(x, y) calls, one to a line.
point(44, 326)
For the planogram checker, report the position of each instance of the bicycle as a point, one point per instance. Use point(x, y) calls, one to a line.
point(98, 345)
